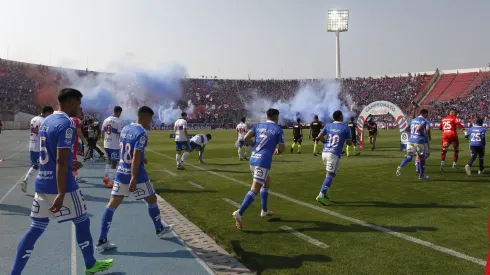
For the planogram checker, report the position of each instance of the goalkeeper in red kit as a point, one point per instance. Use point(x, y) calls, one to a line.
point(449, 126)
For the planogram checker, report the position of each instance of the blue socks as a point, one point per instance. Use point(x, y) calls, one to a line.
point(154, 213)
point(106, 222)
point(422, 166)
point(247, 201)
point(84, 239)
point(406, 160)
point(264, 194)
point(326, 184)
point(27, 243)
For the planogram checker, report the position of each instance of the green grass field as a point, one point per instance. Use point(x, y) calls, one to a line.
point(449, 210)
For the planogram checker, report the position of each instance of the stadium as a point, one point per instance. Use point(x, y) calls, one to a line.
point(375, 223)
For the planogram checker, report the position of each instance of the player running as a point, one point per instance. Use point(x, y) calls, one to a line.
point(181, 139)
point(197, 143)
point(297, 135)
point(112, 127)
point(353, 132)
point(268, 136)
point(417, 144)
point(373, 133)
point(34, 145)
point(476, 135)
point(57, 194)
point(131, 177)
point(78, 135)
point(450, 136)
point(315, 129)
point(241, 130)
point(336, 133)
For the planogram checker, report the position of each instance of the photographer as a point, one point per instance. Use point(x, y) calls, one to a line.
point(92, 133)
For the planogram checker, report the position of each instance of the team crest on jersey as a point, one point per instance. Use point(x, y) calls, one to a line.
point(69, 133)
point(142, 140)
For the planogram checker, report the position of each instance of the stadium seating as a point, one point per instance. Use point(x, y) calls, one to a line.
point(439, 88)
point(424, 87)
point(482, 76)
point(457, 86)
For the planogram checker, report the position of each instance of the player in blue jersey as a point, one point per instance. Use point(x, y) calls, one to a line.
point(336, 134)
point(427, 140)
point(269, 141)
point(476, 134)
point(57, 194)
point(417, 143)
point(131, 177)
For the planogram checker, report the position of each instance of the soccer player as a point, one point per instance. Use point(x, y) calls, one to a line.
point(111, 127)
point(297, 135)
point(336, 134)
point(353, 133)
point(78, 134)
point(477, 145)
point(417, 144)
point(181, 139)
point(197, 143)
point(34, 145)
point(315, 129)
point(450, 136)
point(131, 177)
point(241, 130)
point(427, 140)
point(373, 133)
point(57, 194)
point(269, 140)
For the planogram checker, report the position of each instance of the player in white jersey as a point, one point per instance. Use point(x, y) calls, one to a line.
point(112, 127)
point(197, 143)
point(34, 145)
point(181, 139)
point(241, 130)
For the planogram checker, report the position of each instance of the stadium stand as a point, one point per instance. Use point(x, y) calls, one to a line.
point(439, 88)
point(457, 86)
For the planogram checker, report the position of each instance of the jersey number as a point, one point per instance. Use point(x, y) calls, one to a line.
point(108, 129)
point(475, 137)
point(125, 152)
point(446, 125)
point(261, 143)
point(333, 141)
point(43, 155)
point(413, 129)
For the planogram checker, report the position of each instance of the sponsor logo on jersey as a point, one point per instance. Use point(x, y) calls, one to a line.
point(69, 133)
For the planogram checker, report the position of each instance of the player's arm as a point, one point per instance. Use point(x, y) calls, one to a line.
point(429, 135)
point(80, 135)
point(248, 137)
point(185, 131)
point(237, 131)
point(311, 130)
point(281, 147)
point(139, 147)
point(322, 134)
point(63, 147)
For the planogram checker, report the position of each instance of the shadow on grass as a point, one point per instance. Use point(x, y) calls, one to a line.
point(396, 205)
point(167, 191)
point(244, 171)
point(15, 210)
point(222, 164)
point(262, 262)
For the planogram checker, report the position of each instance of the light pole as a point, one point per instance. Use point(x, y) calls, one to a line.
point(338, 21)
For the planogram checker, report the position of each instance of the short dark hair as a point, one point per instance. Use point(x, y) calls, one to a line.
point(145, 110)
point(117, 109)
point(183, 114)
point(298, 120)
point(479, 121)
point(47, 109)
point(337, 115)
point(272, 112)
point(424, 112)
point(243, 119)
point(68, 93)
point(352, 118)
point(316, 117)
point(208, 136)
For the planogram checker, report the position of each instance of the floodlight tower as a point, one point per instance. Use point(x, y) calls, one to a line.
point(338, 21)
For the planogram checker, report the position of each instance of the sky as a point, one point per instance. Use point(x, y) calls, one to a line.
point(280, 39)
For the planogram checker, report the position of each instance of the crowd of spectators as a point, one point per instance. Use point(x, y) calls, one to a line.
point(223, 100)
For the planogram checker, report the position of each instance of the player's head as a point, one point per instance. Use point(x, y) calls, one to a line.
point(70, 100)
point(117, 111)
point(338, 116)
point(47, 110)
point(208, 136)
point(352, 119)
point(183, 115)
point(243, 119)
point(273, 115)
point(90, 121)
point(453, 112)
point(316, 117)
point(298, 120)
point(479, 121)
point(145, 116)
point(424, 113)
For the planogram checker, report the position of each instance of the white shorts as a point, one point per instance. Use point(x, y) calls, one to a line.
point(73, 206)
point(143, 190)
point(260, 174)
point(331, 162)
point(417, 149)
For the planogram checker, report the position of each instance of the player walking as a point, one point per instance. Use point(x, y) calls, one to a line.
point(417, 144)
point(336, 133)
point(112, 127)
point(181, 139)
point(477, 145)
point(315, 129)
point(131, 177)
point(268, 136)
point(353, 132)
point(78, 134)
point(297, 135)
point(34, 145)
point(197, 143)
point(373, 133)
point(427, 140)
point(57, 194)
point(241, 130)
point(450, 136)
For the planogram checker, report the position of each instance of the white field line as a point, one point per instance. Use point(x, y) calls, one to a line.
point(73, 250)
point(304, 237)
point(353, 220)
point(195, 185)
point(236, 204)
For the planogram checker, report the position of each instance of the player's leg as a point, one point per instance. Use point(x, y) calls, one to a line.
point(315, 145)
point(119, 191)
point(240, 149)
point(331, 163)
point(299, 145)
point(455, 143)
point(421, 154)
point(247, 148)
point(411, 152)
point(481, 155)
point(374, 142)
point(154, 212)
point(347, 150)
point(445, 145)
point(293, 146)
point(32, 170)
point(473, 156)
point(107, 166)
point(259, 179)
point(264, 196)
point(178, 153)
point(201, 154)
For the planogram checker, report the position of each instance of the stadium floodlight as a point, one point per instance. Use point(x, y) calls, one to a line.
point(338, 21)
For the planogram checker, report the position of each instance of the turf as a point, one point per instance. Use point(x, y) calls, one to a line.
point(449, 210)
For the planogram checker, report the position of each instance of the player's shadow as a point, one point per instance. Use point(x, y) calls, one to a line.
point(106, 199)
point(181, 191)
point(245, 171)
point(14, 210)
point(262, 262)
point(396, 205)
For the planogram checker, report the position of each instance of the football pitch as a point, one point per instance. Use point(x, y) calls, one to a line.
point(377, 223)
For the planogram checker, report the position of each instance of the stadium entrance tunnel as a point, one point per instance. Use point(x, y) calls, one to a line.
point(380, 108)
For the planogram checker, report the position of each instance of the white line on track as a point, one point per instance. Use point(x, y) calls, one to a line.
point(304, 237)
point(73, 250)
point(353, 220)
point(11, 189)
point(14, 154)
point(195, 185)
point(8, 145)
point(236, 204)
